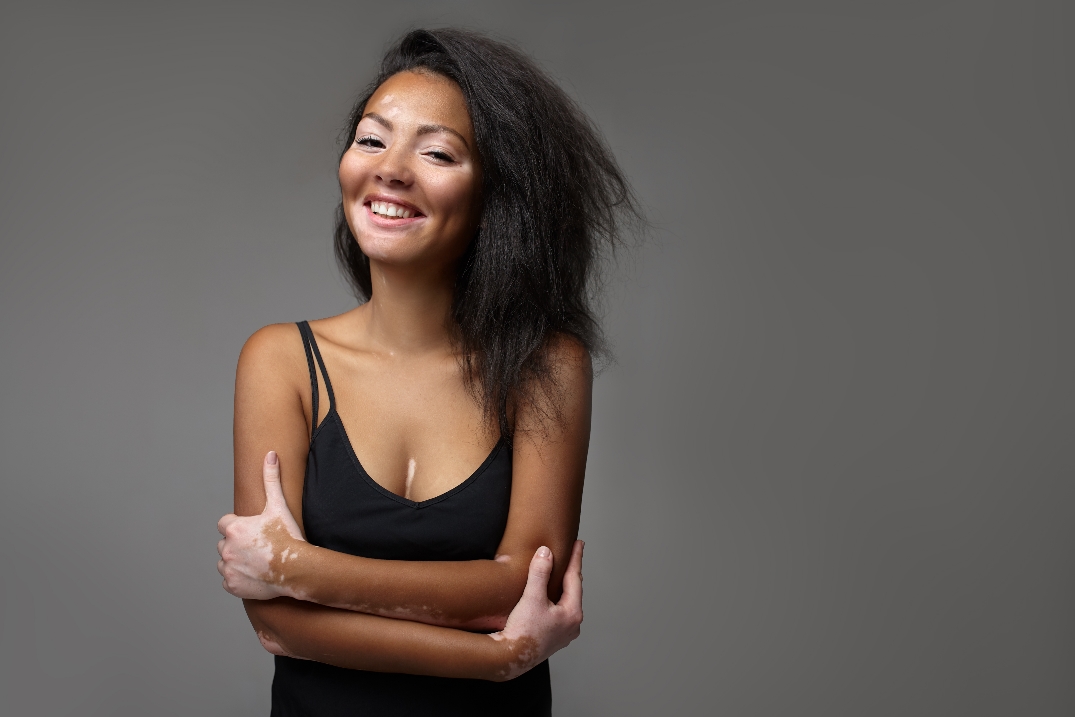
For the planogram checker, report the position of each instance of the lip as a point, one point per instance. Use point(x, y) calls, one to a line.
point(393, 200)
point(386, 222)
point(390, 222)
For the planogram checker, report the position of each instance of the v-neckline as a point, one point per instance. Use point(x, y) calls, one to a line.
point(335, 417)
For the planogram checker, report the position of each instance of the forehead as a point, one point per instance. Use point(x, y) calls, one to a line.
point(422, 98)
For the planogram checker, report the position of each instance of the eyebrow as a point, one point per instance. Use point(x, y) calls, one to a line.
point(422, 129)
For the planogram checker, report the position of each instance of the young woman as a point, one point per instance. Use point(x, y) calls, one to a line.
point(409, 473)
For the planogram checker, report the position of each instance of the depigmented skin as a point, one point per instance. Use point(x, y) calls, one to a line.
point(264, 556)
point(536, 629)
point(474, 595)
point(401, 398)
point(524, 656)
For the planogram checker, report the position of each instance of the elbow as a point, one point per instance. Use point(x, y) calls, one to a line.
point(272, 644)
point(261, 618)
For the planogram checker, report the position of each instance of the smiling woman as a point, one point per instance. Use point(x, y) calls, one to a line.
point(411, 183)
point(404, 535)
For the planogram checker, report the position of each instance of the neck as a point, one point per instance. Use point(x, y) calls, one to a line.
point(409, 311)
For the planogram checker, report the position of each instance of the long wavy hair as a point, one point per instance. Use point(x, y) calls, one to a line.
point(554, 205)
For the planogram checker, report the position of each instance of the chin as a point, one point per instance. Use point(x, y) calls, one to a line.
point(382, 247)
point(387, 249)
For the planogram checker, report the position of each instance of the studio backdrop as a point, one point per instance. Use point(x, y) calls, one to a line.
point(831, 470)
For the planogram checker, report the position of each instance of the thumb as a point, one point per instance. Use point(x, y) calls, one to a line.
point(275, 504)
point(274, 493)
point(537, 582)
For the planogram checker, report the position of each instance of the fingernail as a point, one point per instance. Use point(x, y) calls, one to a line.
point(271, 458)
point(544, 552)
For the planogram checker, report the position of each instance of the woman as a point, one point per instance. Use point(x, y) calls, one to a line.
point(386, 573)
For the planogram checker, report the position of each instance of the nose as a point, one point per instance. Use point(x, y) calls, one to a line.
point(394, 168)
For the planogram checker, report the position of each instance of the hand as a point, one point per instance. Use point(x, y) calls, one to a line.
point(255, 549)
point(536, 627)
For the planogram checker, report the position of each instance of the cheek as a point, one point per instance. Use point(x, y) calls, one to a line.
point(456, 195)
point(350, 174)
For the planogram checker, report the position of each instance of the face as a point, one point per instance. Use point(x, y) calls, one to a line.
point(411, 178)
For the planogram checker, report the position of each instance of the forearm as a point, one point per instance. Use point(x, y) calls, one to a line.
point(359, 641)
point(474, 594)
point(265, 556)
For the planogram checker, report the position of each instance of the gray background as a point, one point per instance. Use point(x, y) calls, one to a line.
point(831, 472)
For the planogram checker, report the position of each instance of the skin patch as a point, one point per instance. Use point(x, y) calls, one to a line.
point(418, 613)
point(270, 644)
point(275, 535)
point(275, 551)
point(525, 653)
point(411, 465)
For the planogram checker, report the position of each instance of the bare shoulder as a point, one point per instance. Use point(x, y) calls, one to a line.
point(274, 350)
point(570, 362)
point(559, 401)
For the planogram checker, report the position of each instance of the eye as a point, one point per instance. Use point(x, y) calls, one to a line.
point(370, 141)
point(440, 155)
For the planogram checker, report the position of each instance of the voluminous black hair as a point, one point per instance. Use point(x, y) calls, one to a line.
point(553, 201)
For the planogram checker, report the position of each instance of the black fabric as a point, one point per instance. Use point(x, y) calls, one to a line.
point(344, 509)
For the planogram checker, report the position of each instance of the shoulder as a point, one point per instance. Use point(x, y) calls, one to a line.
point(558, 397)
point(274, 350)
point(569, 361)
point(272, 343)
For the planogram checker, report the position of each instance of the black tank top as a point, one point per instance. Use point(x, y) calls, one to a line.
point(343, 509)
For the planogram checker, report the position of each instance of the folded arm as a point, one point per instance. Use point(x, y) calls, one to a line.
point(536, 628)
point(264, 555)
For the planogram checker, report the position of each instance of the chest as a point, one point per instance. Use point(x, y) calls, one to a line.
point(413, 426)
point(344, 509)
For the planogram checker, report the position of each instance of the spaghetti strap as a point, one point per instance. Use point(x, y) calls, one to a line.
point(344, 509)
point(321, 363)
point(303, 329)
point(309, 343)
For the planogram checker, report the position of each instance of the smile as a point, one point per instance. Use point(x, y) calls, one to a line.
point(390, 210)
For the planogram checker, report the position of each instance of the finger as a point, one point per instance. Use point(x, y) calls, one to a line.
point(220, 548)
point(537, 582)
point(572, 596)
point(274, 493)
point(275, 503)
point(220, 569)
point(223, 523)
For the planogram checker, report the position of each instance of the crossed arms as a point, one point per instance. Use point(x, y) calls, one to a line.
point(402, 616)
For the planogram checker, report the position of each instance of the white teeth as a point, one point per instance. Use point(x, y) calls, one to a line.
point(387, 209)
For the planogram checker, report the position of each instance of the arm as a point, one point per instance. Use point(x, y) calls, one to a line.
point(549, 463)
point(536, 629)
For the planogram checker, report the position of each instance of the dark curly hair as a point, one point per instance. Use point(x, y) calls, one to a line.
point(553, 201)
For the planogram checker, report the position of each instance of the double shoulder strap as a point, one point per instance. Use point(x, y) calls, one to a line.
point(310, 344)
